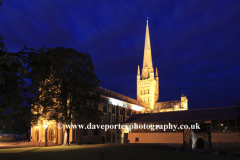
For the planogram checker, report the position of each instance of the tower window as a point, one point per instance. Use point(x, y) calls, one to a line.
point(141, 92)
point(148, 91)
point(144, 91)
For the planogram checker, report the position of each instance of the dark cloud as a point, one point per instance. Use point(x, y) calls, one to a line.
point(195, 44)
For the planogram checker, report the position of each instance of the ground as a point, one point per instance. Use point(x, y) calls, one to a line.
point(111, 152)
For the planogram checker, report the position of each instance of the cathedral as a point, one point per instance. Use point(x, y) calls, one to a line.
point(220, 127)
point(148, 84)
point(116, 108)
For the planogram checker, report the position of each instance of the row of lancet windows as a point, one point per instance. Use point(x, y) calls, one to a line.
point(144, 91)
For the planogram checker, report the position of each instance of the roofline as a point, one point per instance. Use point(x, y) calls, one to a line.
point(178, 121)
point(169, 101)
point(196, 109)
point(211, 108)
point(142, 104)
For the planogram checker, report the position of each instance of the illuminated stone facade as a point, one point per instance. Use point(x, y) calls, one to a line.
point(116, 109)
point(176, 105)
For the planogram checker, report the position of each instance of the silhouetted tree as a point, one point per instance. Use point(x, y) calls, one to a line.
point(67, 87)
point(12, 89)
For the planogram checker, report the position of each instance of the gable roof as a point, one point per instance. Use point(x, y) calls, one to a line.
point(221, 113)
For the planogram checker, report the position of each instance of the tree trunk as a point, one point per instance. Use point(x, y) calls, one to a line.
point(65, 141)
point(68, 130)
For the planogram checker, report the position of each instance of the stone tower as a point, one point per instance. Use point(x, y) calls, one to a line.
point(147, 83)
point(184, 102)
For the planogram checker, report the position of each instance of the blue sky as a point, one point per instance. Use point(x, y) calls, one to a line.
point(195, 44)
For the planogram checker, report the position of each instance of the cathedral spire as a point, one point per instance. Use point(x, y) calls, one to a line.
point(147, 83)
point(147, 58)
point(138, 71)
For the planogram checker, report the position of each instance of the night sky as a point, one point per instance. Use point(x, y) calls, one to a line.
point(195, 44)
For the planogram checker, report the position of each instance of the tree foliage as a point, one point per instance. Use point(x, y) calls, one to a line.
point(67, 86)
point(13, 91)
point(16, 122)
point(12, 74)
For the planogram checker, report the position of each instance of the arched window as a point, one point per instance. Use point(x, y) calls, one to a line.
point(103, 139)
point(84, 132)
point(36, 135)
point(108, 136)
point(50, 134)
point(104, 108)
point(106, 116)
point(113, 110)
point(113, 137)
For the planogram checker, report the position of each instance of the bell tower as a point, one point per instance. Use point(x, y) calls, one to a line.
point(147, 83)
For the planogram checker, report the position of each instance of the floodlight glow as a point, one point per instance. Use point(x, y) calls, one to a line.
point(123, 104)
point(117, 102)
point(45, 125)
point(137, 108)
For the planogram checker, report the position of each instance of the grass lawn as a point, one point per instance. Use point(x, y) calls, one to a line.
point(111, 152)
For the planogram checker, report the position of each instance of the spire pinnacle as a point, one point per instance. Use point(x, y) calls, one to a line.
point(182, 95)
point(138, 71)
point(156, 72)
point(147, 58)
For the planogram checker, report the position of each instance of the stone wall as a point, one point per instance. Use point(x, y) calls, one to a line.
point(160, 137)
point(225, 140)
